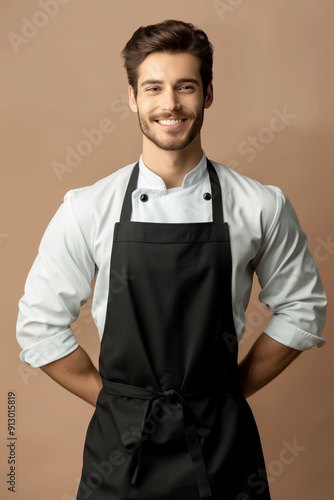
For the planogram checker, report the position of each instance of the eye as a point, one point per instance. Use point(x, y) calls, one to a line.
point(187, 87)
point(152, 89)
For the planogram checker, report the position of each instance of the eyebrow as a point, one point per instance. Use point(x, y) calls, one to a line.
point(180, 80)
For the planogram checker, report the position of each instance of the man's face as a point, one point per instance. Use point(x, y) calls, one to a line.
point(170, 88)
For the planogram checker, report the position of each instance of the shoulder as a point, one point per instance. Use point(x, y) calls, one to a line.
point(237, 183)
point(248, 197)
point(101, 191)
point(90, 204)
point(97, 207)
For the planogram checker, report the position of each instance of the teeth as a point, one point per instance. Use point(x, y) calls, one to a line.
point(169, 122)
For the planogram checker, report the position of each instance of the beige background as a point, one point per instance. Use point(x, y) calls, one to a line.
point(66, 77)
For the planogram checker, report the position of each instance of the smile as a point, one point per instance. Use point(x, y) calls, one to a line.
point(171, 124)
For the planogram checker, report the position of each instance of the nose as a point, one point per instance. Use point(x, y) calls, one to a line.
point(170, 100)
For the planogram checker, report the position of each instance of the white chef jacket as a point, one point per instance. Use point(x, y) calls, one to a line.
point(265, 237)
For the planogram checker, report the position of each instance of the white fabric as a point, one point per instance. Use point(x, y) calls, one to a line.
point(265, 237)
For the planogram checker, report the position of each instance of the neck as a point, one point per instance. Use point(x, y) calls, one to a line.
point(172, 166)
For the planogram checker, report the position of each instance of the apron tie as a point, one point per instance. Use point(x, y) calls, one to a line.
point(117, 388)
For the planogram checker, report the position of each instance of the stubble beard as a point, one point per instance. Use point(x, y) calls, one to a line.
point(173, 143)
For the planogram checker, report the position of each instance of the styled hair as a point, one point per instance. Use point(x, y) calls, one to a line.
point(169, 36)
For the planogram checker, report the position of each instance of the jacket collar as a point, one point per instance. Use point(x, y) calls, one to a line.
point(147, 179)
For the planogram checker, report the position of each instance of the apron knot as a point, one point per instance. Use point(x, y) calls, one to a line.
point(188, 422)
point(190, 431)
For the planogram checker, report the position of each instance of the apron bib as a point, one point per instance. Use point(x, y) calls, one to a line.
point(171, 421)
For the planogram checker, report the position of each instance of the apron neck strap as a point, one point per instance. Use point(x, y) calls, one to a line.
point(217, 204)
point(127, 203)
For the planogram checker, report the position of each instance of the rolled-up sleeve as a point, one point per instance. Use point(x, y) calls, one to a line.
point(290, 281)
point(58, 284)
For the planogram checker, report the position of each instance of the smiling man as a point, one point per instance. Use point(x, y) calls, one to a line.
point(183, 100)
point(169, 100)
point(173, 241)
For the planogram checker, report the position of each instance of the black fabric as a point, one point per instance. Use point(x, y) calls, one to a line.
point(146, 232)
point(171, 421)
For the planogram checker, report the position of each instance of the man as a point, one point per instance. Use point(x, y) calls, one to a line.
point(173, 241)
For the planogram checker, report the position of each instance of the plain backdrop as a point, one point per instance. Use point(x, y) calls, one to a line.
point(61, 74)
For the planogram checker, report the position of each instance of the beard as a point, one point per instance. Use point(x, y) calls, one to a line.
point(172, 141)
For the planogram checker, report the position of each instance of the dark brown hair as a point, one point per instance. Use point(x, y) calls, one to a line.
point(168, 36)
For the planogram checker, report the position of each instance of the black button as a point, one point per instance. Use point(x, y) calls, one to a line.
point(143, 197)
point(207, 196)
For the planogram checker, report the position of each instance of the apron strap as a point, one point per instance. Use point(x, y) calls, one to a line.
point(127, 203)
point(195, 450)
point(217, 204)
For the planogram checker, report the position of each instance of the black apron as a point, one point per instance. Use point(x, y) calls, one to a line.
point(171, 421)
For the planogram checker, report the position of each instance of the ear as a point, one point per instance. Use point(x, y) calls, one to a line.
point(132, 100)
point(209, 96)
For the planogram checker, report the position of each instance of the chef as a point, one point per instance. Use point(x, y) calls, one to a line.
point(173, 241)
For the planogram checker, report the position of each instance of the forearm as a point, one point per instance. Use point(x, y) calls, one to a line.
point(77, 374)
point(266, 359)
